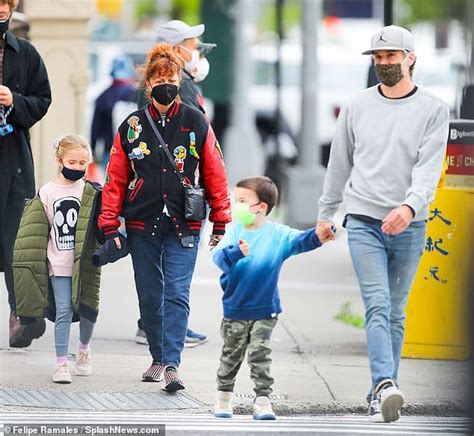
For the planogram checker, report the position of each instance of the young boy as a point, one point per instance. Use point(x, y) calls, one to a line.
point(251, 255)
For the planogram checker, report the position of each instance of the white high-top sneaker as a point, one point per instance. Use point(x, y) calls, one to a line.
point(262, 409)
point(223, 406)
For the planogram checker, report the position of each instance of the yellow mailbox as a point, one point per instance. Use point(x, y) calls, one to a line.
point(439, 307)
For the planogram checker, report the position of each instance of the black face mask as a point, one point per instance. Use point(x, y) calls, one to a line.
point(73, 175)
point(4, 26)
point(165, 93)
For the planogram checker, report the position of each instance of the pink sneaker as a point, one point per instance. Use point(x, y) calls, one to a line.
point(62, 374)
point(83, 362)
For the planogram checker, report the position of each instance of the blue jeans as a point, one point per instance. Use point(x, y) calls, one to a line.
point(163, 270)
point(62, 289)
point(385, 266)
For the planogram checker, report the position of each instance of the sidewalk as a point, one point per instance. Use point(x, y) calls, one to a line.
point(319, 364)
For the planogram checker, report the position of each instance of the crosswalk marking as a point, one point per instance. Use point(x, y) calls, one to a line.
point(240, 424)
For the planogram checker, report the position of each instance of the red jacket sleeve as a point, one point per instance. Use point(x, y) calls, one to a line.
point(119, 171)
point(213, 174)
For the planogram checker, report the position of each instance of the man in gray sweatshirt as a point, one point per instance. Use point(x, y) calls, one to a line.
point(386, 158)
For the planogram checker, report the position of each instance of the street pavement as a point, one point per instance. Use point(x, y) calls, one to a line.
point(319, 364)
point(204, 425)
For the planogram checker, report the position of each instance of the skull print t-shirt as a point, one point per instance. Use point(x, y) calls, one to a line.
point(62, 203)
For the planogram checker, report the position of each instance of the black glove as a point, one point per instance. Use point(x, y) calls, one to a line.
point(109, 253)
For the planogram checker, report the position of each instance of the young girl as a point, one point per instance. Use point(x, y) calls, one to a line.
point(53, 271)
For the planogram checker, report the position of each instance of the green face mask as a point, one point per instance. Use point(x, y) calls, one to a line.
point(243, 214)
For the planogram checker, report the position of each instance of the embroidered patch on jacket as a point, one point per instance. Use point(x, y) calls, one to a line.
point(192, 145)
point(135, 128)
point(139, 152)
point(179, 156)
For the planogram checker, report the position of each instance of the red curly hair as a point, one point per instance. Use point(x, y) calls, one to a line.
point(162, 62)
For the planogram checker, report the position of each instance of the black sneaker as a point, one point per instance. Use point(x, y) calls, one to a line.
point(154, 373)
point(172, 380)
point(390, 399)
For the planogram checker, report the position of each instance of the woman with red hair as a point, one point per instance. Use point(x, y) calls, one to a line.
point(145, 185)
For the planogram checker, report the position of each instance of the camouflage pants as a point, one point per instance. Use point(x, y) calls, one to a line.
point(253, 336)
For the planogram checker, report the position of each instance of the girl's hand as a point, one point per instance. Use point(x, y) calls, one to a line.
point(244, 247)
point(117, 243)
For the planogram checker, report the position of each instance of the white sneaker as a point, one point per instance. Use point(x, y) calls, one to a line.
point(223, 406)
point(83, 362)
point(391, 400)
point(61, 374)
point(262, 409)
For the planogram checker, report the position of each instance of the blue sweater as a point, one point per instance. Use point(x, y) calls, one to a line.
point(250, 283)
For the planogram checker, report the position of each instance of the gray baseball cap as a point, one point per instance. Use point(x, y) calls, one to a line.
point(391, 38)
point(176, 31)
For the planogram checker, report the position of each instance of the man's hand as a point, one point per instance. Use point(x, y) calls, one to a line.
point(214, 240)
point(397, 220)
point(324, 231)
point(244, 247)
point(6, 97)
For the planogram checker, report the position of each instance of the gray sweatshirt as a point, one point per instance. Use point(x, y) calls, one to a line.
point(391, 151)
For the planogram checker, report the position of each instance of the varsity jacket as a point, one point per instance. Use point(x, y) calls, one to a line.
point(141, 180)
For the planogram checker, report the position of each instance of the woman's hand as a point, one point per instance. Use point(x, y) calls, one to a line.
point(214, 240)
point(117, 243)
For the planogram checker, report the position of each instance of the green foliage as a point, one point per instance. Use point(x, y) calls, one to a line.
point(187, 11)
point(145, 8)
point(435, 10)
point(291, 16)
point(347, 317)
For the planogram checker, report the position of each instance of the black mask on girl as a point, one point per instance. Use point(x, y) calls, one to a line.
point(4, 27)
point(164, 93)
point(73, 175)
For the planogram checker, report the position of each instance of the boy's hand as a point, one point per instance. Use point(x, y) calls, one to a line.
point(244, 247)
point(325, 231)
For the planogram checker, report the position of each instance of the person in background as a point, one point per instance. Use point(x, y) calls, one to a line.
point(25, 96)
point(118, 100)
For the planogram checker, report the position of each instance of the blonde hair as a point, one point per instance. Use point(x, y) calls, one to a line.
point(71, 142)
point(12, 3)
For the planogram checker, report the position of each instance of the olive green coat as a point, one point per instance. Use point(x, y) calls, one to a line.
point(33, 292)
